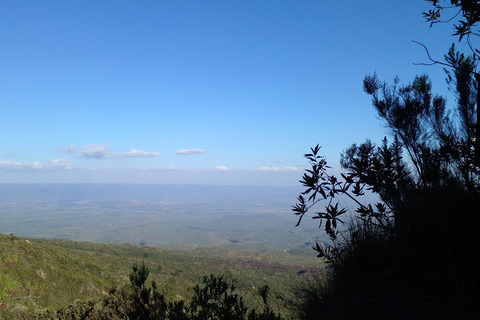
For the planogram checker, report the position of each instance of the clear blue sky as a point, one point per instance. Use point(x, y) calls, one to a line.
point(210, 92)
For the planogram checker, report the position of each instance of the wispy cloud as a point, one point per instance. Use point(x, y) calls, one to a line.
point(61, 164)
point(15, 165)
point(190, 151)
point(55, 164)
point(9, 154)
point(134, 153)
point(68, 149)
point(278, 160)
point(283, 168)
point(221, 168)
point(94, 151)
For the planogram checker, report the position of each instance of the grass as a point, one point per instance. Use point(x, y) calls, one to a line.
point(37, 274)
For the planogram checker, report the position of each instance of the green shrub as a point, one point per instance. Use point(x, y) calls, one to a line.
point(214, 299)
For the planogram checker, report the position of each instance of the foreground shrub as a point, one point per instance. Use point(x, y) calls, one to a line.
point(214, 299)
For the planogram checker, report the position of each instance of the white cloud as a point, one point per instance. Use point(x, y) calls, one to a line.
point(278, 160)
point(190, 151)
point(221, 168)
point(134, 153)
point(284, 168)
point(10, 154)
point(20, 166)
point(68, 149)
point(52, 165)
point(60, 164)
point(94, 151)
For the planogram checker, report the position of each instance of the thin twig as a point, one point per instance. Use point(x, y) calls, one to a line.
point(447, 21)
point(430, 58)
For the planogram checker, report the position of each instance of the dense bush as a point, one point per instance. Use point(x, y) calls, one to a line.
point(416, 252)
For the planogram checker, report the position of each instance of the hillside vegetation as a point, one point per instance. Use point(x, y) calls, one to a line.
point(40, 275)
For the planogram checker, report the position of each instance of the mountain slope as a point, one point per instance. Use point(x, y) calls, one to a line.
point(39, 274)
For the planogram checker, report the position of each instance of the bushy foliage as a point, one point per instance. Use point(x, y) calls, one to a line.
point(115, 305)
point(415, 253)
point(215, 299)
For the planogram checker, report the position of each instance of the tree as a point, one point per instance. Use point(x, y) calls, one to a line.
point(147, 302)
point(415, 253)
point(468, 12)
point(419, 244)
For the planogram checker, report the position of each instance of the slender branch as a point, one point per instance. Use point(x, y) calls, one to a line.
point(475, 54)
point(456, 14)
point(430, 58)
point(351, 197)
point(449, 20)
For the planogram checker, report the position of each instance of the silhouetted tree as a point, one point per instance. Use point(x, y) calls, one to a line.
point(418, 246)
point(466, 14)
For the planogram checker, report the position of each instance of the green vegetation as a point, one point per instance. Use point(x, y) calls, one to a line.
point(215, 299)
point(39, 276)
point(414, 254)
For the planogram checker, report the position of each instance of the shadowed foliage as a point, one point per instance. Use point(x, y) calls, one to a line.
point(415, 253)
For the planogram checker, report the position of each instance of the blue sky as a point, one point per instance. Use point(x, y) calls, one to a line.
point(204, 92)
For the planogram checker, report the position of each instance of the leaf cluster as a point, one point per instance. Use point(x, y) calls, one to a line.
point(469, 10)
point(320, 186)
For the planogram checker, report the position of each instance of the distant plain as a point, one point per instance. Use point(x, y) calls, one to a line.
point(257, 218)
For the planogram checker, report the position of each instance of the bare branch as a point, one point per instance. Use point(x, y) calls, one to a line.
point(447, 21)
point(430, 58)
point(474, 52)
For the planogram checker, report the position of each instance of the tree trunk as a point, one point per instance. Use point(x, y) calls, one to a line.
point(477, 132)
